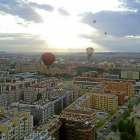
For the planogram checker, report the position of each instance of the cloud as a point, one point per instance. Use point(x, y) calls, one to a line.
point(119, 23)
point(63, 12)
point(122, 27)
point(19, 42)
point(118, 44)
point(23, 10)
point(42, 6)
point(116, 23)
point(130, 4)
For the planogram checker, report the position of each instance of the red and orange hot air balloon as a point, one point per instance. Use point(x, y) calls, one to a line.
point(48, 59)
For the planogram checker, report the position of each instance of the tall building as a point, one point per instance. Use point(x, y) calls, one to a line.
point(78, 121)
point(78, 124)
point(30, 95)
point(104, 102)
point(41, 110)
point(3, 100)
point(52, 126)
point(15, 125)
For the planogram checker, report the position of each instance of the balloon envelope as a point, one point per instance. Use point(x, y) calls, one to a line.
point(94, 21)
point(89, 51)
point(48, 59)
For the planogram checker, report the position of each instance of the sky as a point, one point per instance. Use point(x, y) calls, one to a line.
point(67, 25)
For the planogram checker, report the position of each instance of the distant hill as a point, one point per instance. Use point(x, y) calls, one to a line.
point(2, 52)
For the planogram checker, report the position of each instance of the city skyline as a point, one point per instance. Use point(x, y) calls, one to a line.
point(40, 26)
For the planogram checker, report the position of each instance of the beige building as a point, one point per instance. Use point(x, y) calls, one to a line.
point(15, 125)
point(131, 75)
point(105, 102)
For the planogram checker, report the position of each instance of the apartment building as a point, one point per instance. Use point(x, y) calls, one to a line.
point(41, 110)
point(4, 87)
point(52, 126)
point(60, 98)
point(3, 100)
point(126, 87)
point(91, 82)
point(45, 84)
point(70, 87)
point(30, 95)
point(43, 135)
point(2, 75)
point(77, 123)
point(15, 125)
point(105, 102)
point(78, 120)
point(131, 75)
point(103, 89)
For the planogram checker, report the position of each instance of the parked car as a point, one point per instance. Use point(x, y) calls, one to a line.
point(106, 126)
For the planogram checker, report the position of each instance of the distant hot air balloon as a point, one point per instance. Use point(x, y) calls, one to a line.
point(94, 21)
point(48, 59)
point(105, 33)
point(89, 51)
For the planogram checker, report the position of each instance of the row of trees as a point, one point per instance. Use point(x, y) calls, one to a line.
point(126, 128)
point(111, 114)
point(81, 69)
point(138, 101)
point(65, 75)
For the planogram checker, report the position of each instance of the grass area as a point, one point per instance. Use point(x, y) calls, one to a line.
point(100, 124)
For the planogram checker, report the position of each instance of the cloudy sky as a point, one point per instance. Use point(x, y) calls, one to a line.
point(67, 25)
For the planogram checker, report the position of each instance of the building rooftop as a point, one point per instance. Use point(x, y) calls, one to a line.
point(5, 120)
point(36, 136)
point(80, 111)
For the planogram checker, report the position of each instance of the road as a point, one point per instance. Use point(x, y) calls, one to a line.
point(108, 130)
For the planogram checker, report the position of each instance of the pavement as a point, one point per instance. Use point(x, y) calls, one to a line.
point(114, 135)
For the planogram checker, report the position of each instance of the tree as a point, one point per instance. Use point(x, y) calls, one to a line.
point(96, 135)
point(121, 125)
point(123, 136)
point(39, 96)
point(110, 138)
point(114, 127)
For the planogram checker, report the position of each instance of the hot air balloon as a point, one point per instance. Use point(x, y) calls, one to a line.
point(89, 51)
point(105, 33)
point(48, 59)
point(94, 21)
